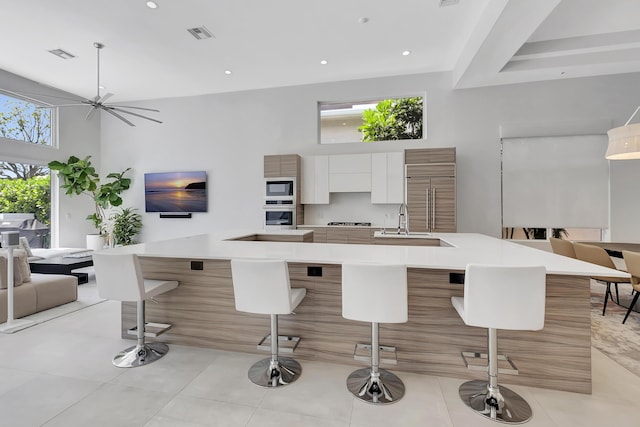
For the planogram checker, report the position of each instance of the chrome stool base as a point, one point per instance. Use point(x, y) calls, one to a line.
point(511, 408)
point(387, 388)
point(269, 373)
point(140, 355)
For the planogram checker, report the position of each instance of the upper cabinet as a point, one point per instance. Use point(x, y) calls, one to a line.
point(421, 156)
point(387, 178)
point(350, 173)
point(315, 180)
point(381, 174)
point(287, 165)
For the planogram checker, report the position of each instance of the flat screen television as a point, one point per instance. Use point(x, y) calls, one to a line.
point(175, 192)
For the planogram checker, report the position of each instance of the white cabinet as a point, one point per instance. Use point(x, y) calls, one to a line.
point(387, 177)
point(382, 174)
point(350, 173)
point(315, 180)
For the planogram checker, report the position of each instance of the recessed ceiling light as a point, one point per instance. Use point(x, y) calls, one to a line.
point(324, 62)
point(406, 52)
point(152, 5)
point(363, 20)
point(227, 72)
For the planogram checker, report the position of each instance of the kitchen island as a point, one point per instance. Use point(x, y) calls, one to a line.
point(202, 309)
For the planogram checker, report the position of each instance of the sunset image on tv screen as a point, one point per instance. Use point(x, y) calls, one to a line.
point(175, 192)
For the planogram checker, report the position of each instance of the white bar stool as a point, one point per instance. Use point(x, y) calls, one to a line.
point(119, 278)
point(377, 294)
point(500, 297)
point(263, 287)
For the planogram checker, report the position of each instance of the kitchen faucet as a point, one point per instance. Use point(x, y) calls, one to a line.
point(403, 220)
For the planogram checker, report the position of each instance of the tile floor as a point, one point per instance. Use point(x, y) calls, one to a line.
point(59, 373)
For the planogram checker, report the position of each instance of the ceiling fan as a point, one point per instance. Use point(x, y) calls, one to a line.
point(98, 102)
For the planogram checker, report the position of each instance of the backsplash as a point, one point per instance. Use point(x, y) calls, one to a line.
point(352, 207)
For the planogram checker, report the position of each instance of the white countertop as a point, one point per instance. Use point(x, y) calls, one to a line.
point(466, 248)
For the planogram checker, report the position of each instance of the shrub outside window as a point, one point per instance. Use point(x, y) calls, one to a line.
point(390, 119)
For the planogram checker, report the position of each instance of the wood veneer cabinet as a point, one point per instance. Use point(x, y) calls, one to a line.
point(354, 236)
point(421, 156)
point(431, 190)
point(284, 165)
point(202, 312)
point(346, 235)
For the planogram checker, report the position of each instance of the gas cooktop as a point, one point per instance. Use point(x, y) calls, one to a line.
point(351, 224)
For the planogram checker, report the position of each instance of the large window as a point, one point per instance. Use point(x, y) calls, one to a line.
point(25, 205)
point(25, 189)
point(555, 186)
point(22, 120)
point(389, 119)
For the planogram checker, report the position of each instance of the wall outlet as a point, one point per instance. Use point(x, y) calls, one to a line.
point(456, 278)
point(314, 271)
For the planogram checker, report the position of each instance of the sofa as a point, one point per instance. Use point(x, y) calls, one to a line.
point(33, 292)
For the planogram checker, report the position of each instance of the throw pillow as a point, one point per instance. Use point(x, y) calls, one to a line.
point(17, 273)
point(24, 245)
point(23, 262)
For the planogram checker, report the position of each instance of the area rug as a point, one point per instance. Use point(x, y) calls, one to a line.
point(87, 296)
point(620, 342)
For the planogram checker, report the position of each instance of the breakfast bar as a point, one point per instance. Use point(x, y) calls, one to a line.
point(202, 311)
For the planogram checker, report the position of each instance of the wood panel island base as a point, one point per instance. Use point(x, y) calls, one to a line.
point(202, 313)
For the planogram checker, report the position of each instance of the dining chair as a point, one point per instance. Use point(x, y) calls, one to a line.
point(632, 261)
point(597, 255)
point(562, 247)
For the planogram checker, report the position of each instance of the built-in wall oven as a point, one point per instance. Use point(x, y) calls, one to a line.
point(280, 203)
point(280, 189)
point(279, 217)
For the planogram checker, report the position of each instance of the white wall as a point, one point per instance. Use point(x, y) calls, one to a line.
point(228, 134)
point(625, 201)
point(355, 207)
point(75, 137)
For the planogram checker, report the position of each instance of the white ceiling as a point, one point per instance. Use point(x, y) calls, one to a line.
point(149, 53)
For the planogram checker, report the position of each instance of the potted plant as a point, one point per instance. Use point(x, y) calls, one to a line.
point(127, 223)
point(80, 177)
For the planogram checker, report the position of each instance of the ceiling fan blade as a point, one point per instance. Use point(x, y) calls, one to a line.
point(113, 113)
point(41, 95)
point(133, 114)
point(91, 113)
point(97, 102)
point(83, 103)
point(105, 97)
point(135, 108)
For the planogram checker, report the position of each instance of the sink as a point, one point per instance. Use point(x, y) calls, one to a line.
point(411, 239)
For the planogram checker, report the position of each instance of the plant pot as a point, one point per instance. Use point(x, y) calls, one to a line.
point(95, 242)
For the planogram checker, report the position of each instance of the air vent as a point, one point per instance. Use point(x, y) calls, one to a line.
point(60, 53)
point(448, 2)
point(200, 33)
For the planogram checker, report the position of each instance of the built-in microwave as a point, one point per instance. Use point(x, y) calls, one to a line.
point(280, 189)
point(279, 217)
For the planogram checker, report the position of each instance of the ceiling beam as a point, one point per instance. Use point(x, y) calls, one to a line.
point(505, 26)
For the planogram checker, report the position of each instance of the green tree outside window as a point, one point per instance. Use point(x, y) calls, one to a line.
point(393, 119)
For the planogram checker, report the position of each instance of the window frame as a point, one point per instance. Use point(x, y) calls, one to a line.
point(369, 100)
point(53, 119)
